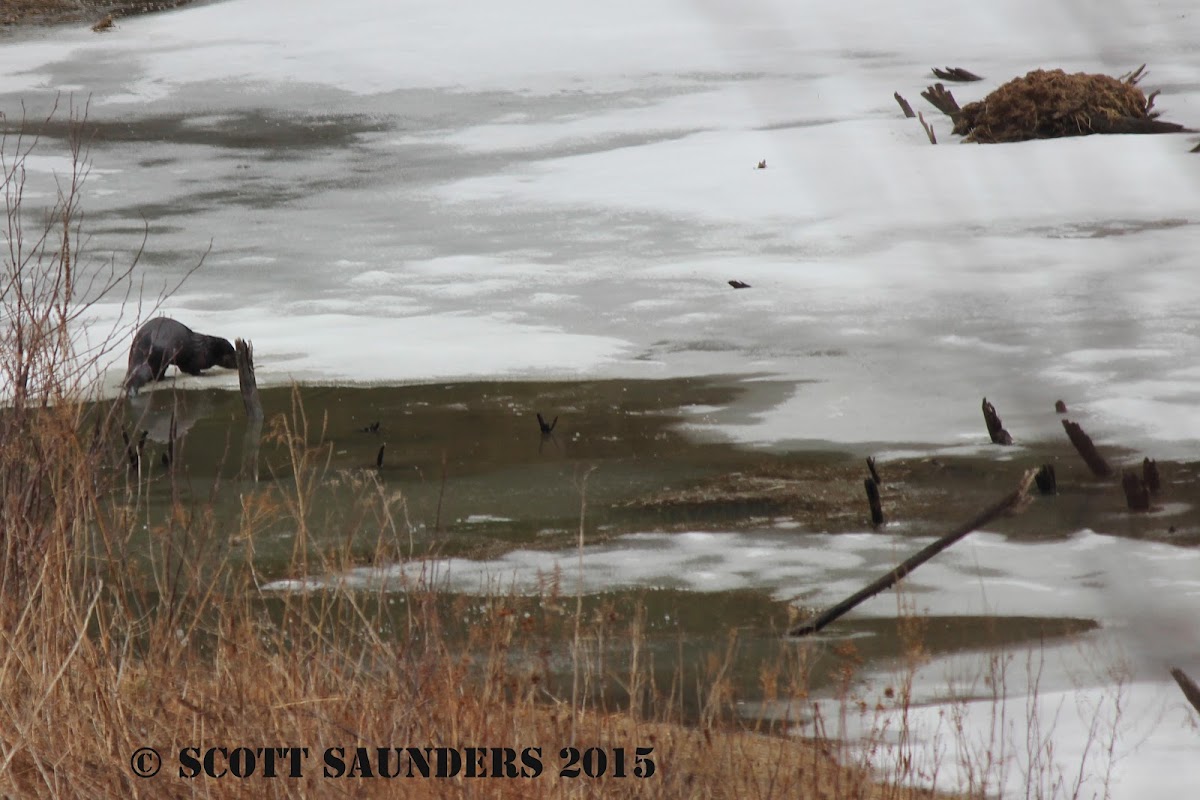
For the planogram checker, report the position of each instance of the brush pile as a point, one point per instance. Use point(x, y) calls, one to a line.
point(1048, 104)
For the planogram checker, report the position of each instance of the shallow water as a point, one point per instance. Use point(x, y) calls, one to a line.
point(695, 533)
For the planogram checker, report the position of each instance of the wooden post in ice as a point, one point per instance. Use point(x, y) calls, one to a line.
point(994, 425)
point(1150, 475)
point(1013, 501)
point(1087, 450)
point(1047, 483)
point(873, 500)
point(253, 405)
point(1137, 496)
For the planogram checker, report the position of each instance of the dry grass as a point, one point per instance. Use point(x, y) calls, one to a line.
point(1047, 104)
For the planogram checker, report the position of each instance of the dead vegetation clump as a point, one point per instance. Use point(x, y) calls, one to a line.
point(1049, 104)
point(61, 12)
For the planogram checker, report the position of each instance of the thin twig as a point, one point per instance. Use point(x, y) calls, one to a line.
point(928, 128)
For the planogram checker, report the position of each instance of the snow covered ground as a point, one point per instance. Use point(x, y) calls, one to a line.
point(412, 191)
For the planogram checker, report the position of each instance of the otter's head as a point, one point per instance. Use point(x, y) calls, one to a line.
point(138, 377)
point(221, 353)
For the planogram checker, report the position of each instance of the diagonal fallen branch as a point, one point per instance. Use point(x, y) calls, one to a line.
point(1012, 502)
point(1190, 690)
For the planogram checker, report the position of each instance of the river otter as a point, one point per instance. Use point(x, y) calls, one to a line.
point(162, 342)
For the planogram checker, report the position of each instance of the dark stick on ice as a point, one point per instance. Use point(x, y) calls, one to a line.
point(546, 428)
point(1087, 450)
point(372, 428)
point(874, 474)
point(904, 106)
point(956, 74)
point(739, 284)
point(1047, 483)
point(1136, 125)
point(1150, 475)
point(995, 428)
point(1137, 497)
point(873, 501)
point(379, 456)
point(1190, 690)
point(928, 128)
point(1012, 502)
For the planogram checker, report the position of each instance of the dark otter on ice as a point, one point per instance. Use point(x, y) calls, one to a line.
point(162, 342)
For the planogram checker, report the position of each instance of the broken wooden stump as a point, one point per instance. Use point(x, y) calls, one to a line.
point(1060, 407)
point(995, 427)
point(1150, 475)
point(874, 501)
point(246, 380)
point(956, 74)
point(874, 473)
point(1087, 450)
point(1047, 483)
point(1190, 690)
point(1137, 496)
point(253, 405)
point(941, 99)
point(1010, 503)
point(904, 106)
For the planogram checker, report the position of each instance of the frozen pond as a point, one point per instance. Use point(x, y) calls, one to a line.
point(473, 196)
point(411, 193)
